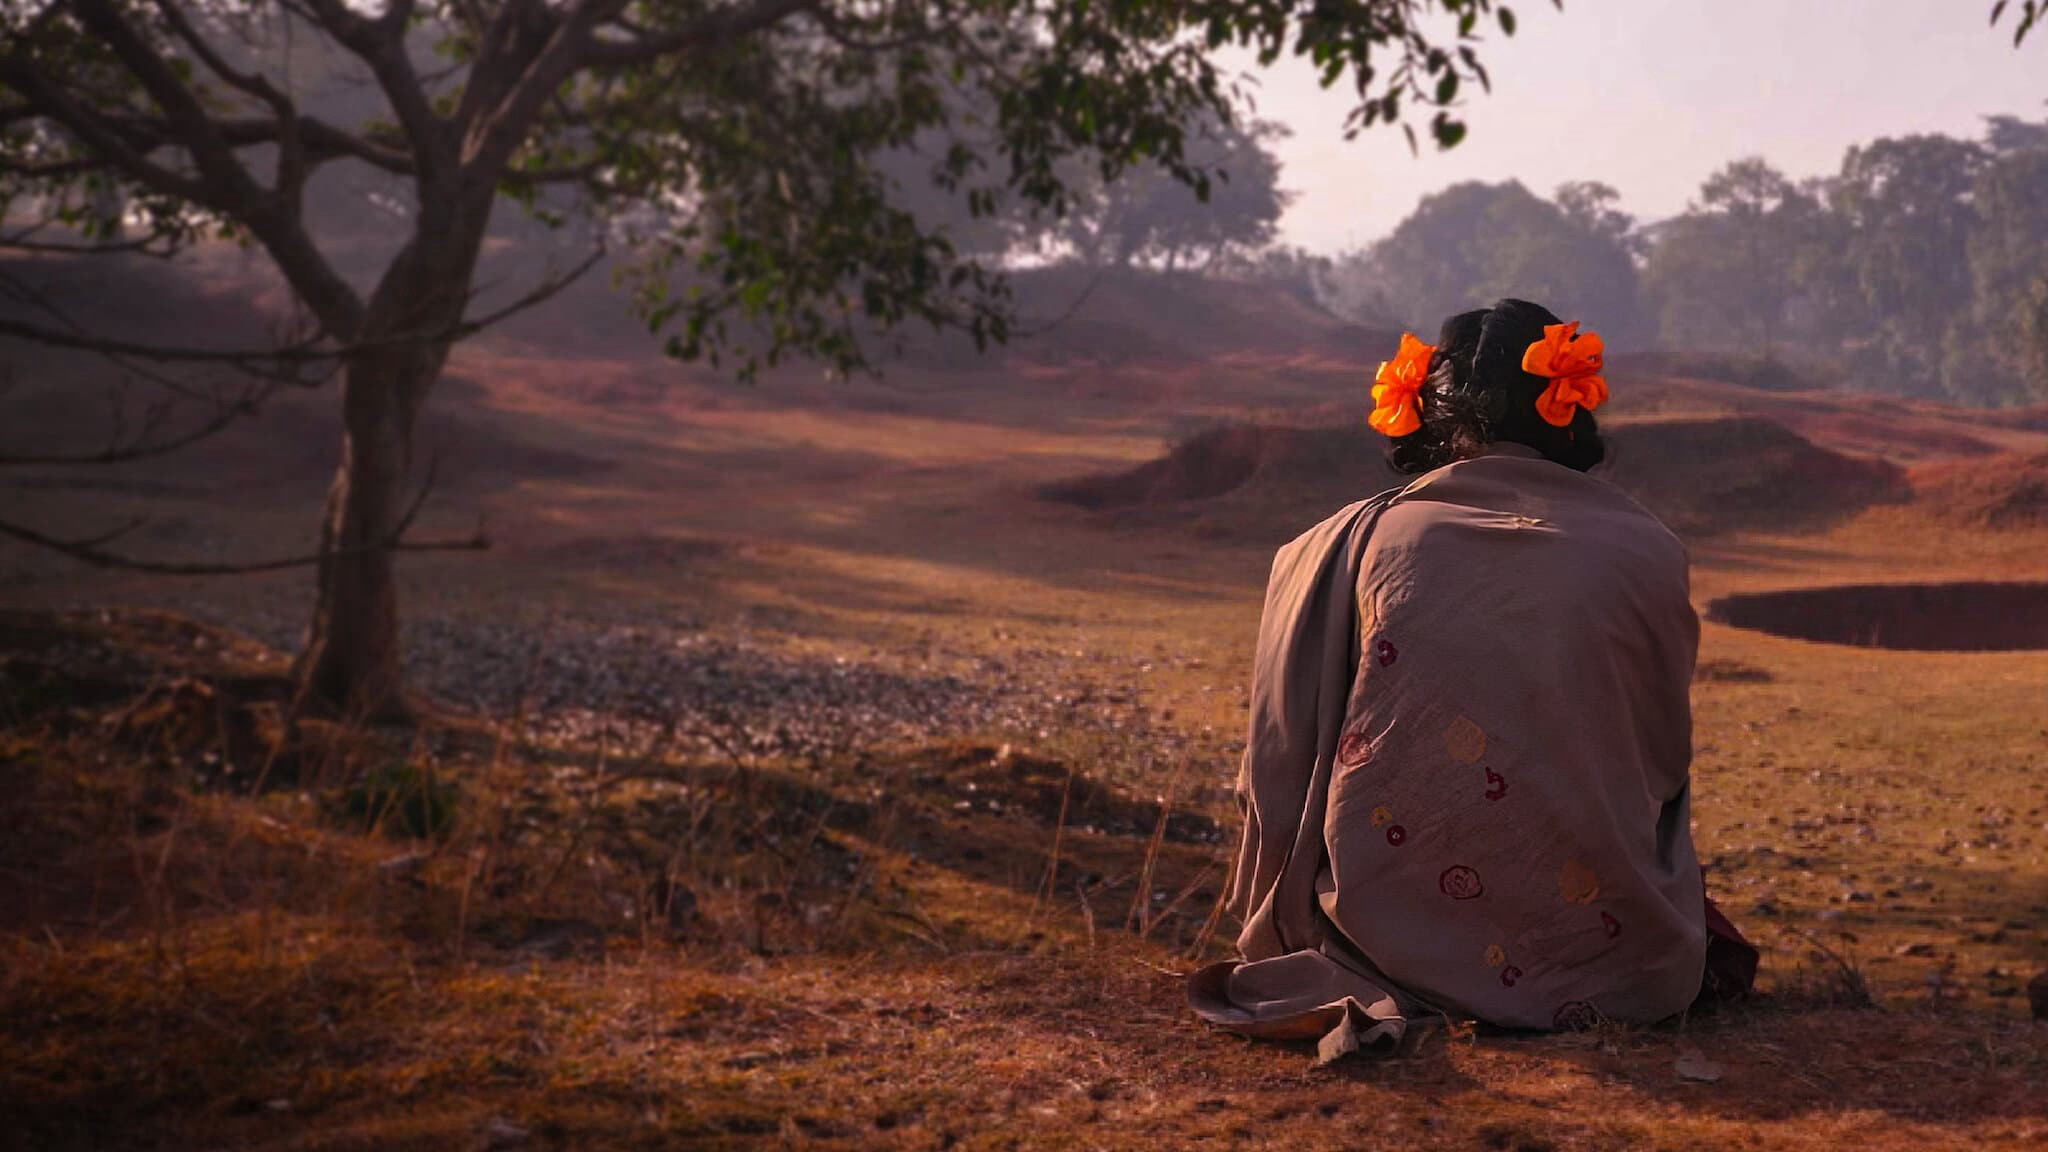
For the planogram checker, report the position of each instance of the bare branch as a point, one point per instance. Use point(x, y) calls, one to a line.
point(98, 133)
point(141, 447)
point(505, 45)
point(229, 182)
point(291, 150)
point(299, 352)
point(88, 551)
point(311, 349)
point(725, 24)
point(501, 127)
point(542, 293)
point(380, 44)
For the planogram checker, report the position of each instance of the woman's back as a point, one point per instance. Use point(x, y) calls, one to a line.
point(1465, 773)
point(1508, 830)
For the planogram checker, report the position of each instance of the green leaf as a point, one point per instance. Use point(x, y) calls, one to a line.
point(1507, 22)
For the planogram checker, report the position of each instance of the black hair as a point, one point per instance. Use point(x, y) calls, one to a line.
point(1477, 394)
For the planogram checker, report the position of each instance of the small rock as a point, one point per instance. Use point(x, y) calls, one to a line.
point(1693, 1064)
point(1916, 948)
point(502, 1133)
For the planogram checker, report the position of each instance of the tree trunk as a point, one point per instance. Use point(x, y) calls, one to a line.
point(351, 655)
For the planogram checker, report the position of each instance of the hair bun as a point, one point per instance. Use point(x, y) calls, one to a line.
point(1479, 394)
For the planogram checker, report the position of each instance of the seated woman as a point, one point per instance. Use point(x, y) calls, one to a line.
point(1466, 782)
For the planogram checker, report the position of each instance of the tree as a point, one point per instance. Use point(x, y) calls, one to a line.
point(1908, 205)
point(1595, 207)
point(2034, 309)
point(2000, 355)
point(1729, 266)
point(1289, 268)
point(733, 140)
point(1149, 216)
point(1472, 243)
point(2004, 134)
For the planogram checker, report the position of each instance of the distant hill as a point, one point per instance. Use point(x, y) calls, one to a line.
point(1701, 475)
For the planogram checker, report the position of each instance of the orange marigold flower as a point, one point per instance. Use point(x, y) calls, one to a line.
point(1397, 388)
point(1571, 361)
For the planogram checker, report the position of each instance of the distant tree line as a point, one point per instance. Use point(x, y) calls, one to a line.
point(1920, 268)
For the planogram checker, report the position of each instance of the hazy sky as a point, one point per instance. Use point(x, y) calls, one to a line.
point(1652, 95)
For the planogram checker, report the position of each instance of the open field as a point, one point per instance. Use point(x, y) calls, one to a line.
point(810, 767)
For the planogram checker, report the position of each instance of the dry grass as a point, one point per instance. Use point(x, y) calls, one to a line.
point(832, 960)
point(606, 948)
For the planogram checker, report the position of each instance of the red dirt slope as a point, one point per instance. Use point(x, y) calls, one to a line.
point(1701, 475)
point(1998, 492)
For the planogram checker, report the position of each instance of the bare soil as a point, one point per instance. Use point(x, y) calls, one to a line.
point(801, 776)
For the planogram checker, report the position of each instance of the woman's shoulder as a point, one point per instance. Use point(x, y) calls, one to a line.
point(1531, 490)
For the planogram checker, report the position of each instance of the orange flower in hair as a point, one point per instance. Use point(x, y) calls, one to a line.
point(1571, 362)
point(1397, 388)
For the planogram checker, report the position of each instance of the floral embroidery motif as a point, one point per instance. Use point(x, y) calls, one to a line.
point(1397, 835)
point(1577, 884)
point(1496, 785)
point(1495, 957)
point(1465, 741)
point(1381, 817)
point(1509, 975)
point(1460, 883)
point(1612, 925)
point(1387, 653)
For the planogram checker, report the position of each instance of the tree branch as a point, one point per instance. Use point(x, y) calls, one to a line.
point(97, 132)
point(380, 44)
point(725, 24)
point(501, 127)
point(88, 552)
point(300, 352)
point(312, 349)
point(290, 177)
point(141, 448)
point(196, 130)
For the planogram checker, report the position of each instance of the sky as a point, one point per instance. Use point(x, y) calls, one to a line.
point(1651, 96)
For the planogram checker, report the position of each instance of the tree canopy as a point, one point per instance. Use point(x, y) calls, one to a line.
point(1472, 243)
point(740, 150)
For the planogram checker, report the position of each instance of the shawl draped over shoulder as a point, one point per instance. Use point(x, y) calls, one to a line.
point(1465, 785)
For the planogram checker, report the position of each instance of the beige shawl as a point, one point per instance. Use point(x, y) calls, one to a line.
point(1465, 785)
